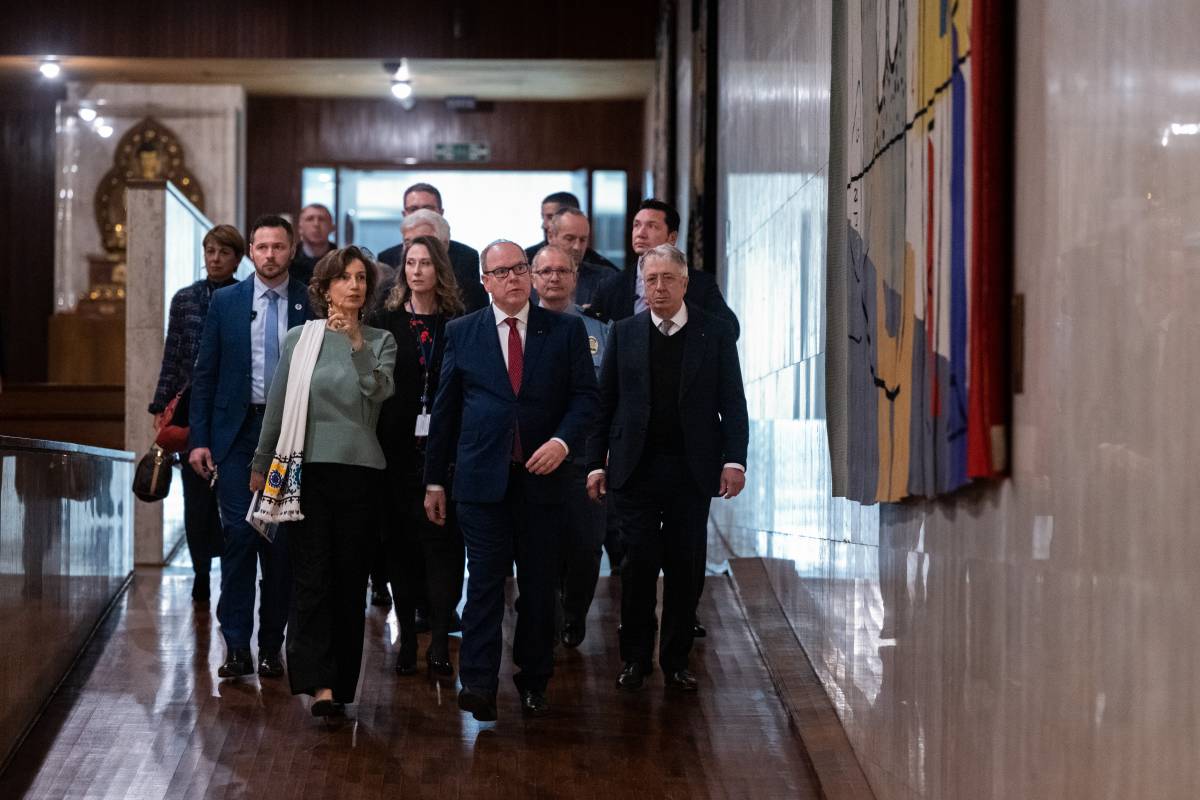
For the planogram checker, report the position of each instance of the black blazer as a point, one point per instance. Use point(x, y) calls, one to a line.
point(465, 261)
point(712, 403)
point(476, 412)
point(613, 299)
point(398, 416)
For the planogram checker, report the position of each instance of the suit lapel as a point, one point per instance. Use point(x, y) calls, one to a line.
point(694, 346)
point(535, 338)
point(243, 311)
point(297, 303)
point(639, 348)
point(629, 293)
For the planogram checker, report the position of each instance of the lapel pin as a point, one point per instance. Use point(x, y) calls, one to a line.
point(299, 307)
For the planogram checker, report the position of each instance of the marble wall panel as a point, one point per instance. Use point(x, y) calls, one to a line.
point(1031, 639)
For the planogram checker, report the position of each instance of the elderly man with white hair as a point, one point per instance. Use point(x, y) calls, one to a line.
point(422, 220)
point(672, 433)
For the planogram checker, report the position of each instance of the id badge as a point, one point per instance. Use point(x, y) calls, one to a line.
point(422, 428)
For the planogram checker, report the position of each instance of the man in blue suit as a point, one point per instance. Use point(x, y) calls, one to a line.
point(239, 350)
point(517, 395)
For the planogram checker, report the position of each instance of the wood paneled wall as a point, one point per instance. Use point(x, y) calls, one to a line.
point(284, 134)
point(27, 211)
point(319, 29)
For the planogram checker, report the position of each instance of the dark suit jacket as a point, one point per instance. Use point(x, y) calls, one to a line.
point(221, 378)
point(475, 411)
point(712, 403)
point(613, 299)
point(465, 261)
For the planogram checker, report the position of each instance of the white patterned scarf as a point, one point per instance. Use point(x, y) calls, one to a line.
point(281, 496)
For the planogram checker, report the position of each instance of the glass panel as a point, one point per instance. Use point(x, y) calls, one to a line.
point(481, 205)
point(609, 193)
point(319, 185)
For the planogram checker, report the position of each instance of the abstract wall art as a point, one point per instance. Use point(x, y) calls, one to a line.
point(919, 259)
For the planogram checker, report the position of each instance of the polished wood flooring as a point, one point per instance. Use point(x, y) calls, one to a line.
point(143, 716)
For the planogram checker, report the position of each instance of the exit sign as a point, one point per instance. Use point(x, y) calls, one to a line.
point(462, 151)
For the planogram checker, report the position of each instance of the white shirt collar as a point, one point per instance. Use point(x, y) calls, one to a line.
point(522, 315)
point(680, 319)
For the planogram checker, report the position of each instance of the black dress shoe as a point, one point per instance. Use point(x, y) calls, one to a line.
point(698, 631)
point(682, 680)
point(439, 665)
point(271, 665)
point(533, 703)
point(632, 676)
point(380, 596)
point(573, 634)
point(482, 705)
point(237, 664)
point(327, 708)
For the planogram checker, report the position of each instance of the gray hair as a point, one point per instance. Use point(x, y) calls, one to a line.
point(565, 211)
point(483, 254)
point(537, 257)
point(424, 216)
point(665, 252)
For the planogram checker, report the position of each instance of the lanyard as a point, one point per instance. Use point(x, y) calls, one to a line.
point(427, 357)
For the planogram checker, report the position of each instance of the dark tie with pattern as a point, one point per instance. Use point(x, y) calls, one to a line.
point(516, 365)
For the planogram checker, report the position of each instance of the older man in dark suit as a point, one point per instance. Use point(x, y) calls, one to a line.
point(517, 394)
point(672, 433)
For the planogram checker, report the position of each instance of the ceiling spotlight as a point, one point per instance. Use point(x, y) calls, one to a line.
point(105, 131)
point(87, 114)
point(401, 90)
point(50, 69)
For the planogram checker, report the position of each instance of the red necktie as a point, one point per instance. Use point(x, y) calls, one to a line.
point(516, 364)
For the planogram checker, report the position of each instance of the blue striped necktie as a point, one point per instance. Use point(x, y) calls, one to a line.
point(271, 340)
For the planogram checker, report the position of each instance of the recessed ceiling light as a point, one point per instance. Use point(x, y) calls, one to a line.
point(401, 90)
point(50, 69)
point(105, 131)
point(87, 114)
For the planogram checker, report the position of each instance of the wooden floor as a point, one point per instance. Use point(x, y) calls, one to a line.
point(143, 716)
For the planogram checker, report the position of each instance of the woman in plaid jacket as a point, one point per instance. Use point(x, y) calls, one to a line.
point(224, 248)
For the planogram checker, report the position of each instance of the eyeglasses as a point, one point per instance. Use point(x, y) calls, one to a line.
point(557, 272)
point(500, 273)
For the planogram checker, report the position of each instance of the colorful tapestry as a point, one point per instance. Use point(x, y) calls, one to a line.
point(919, 275)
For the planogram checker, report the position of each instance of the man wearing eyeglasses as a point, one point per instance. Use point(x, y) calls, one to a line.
point(554, 278)
point(516, 397)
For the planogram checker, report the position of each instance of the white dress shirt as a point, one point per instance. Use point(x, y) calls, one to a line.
point(258, 326)
point(678, 320)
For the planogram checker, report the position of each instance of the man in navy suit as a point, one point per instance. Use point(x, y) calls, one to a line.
point(624, 295)
point(517, 394)
point(239, 350)
point(672, 433)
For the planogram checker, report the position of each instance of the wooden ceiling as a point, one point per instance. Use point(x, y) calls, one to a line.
point(485, 79)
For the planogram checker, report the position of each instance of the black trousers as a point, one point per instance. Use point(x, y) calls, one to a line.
point(425, 563)
point(201, 522)
point(664, 524)
point(582, 543)
point(330, 549)
point(495, 534)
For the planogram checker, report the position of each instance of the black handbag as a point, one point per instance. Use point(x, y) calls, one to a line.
point(152, 478)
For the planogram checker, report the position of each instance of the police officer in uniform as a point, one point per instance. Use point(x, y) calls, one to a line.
point(554, 278)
